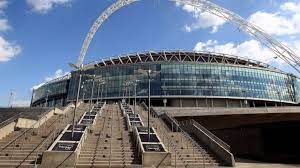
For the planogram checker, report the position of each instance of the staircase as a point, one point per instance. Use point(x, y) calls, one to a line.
point(185, 151)
point(24, 147)
point(110, 145)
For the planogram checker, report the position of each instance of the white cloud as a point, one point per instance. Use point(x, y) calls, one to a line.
point(3, 4)
point(21, 103)
point(251, 49)
point(203, 20)
point(43, 6)
point(283, 23)
point(274, 23)
point(291, 6)
point(4, 26)
point(8, 50)
point(58, 73)
point(286, 21)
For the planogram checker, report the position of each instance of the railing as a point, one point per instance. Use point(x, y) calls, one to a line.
point(171, 121)
point(165, 138)
point(210, 134)
point(44, 144)
point(195, 111)
point(169, 139)
point(24, 132)
point(186, 135)
point(9, 120)
point(100, 134)
point(62, 120)
point(153, 112)
point(111, 136)
point(220, 148)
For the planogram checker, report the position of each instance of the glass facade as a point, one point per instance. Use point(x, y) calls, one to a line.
point(193, 79)
point(57, 89)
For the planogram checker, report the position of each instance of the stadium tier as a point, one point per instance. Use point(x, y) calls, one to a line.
point(182, 78)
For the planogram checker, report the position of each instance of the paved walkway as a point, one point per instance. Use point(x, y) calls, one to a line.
point(244, 163)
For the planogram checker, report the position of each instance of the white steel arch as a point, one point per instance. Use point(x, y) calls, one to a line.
point(279, 49)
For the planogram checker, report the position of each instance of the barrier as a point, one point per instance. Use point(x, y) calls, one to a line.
point(149, 146)
point(154, 153)
point(65, 150)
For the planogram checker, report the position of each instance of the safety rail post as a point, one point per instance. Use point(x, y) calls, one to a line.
point(111, 131)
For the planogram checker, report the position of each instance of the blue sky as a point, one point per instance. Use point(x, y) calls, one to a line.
point(39, 37)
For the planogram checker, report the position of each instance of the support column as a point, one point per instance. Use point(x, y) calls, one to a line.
point(180, 102)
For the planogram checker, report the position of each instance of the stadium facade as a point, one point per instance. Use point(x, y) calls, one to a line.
point(183, 78)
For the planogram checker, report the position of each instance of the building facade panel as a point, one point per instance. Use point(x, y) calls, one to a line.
point(179, 75)
point(194, 80)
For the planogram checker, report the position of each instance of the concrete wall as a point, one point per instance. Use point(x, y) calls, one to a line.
point(29, 123)
point(213, 144)
point(202, 102)
point(243, 141)
point(4, 131)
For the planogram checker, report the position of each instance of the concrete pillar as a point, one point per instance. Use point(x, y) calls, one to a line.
point(197, 103)
point(165, 102)
point(180, 101)
point(227, 103)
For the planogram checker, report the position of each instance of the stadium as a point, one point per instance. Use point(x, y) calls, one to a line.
point(169, 108)
point(183, 78)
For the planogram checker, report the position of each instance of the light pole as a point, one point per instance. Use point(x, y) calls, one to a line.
point(11, 99)
point(164, 91)
point(94, 78)
point(134, 106)
point(245, 100)
point(80, 70)
point(125, 91)
point(129, 92)
point(46, 101)
point(102, 92)
point(127, 87)
point(279, 96)
point(83, 90)
point(32, 97)
point(92, 89)
point(148, 73)
point(100, 82)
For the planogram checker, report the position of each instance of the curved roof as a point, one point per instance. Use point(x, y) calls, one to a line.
point(178, 56)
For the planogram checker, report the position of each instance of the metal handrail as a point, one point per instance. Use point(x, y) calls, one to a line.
point(9, 120)
point(98, 138)
point(170, 142)
point(50, 138)
point(210, 135)
point(173, 120)
point(187, 136)
point(24, 132)
point(111, 132)
point(162, 132)
point(184, 134)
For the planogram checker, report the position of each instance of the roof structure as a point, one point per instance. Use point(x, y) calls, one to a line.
point(178, 56)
